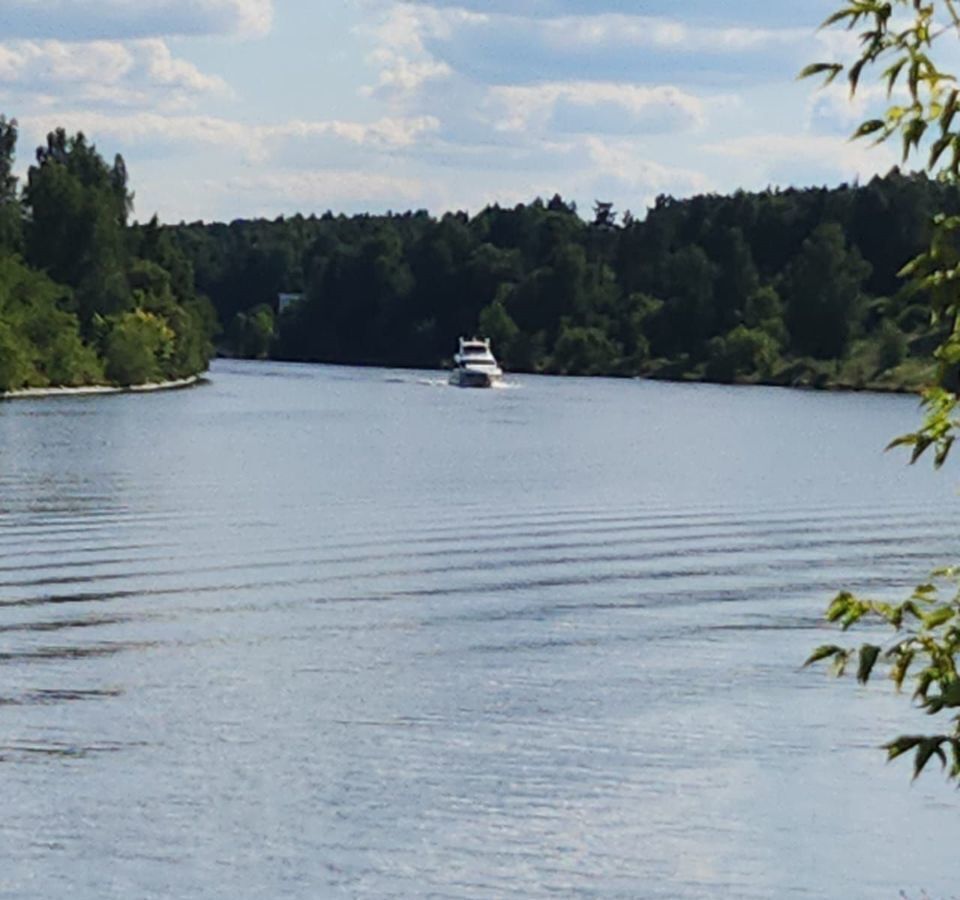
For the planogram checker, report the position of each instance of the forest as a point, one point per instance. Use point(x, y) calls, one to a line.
point(793, 287)
point(85, 297)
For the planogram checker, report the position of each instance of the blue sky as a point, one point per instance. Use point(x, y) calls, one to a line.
point(241, 108)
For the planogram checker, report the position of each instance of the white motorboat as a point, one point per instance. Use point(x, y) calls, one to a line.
point(474, 365)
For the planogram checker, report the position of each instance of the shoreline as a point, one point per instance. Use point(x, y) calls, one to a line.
point(838, 386)
point(89, 390)
point(826, 387)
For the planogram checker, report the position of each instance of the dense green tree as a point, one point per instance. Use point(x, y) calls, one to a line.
point(15, 368)
point(190, 318)
point(491, 273)
point(90, 284)
point(666, 290)
point(250, 334)
point(891, 221)
point(742, 352)
point(891, 346)
point(41, 342)
point(688, 316)
point(583, 351)
point(495, 323)
point(11, 213)
point(137, 346)
point(737, 277)
point(628, 327)
point(762, 306)
point(822, 290)
point(78, 207)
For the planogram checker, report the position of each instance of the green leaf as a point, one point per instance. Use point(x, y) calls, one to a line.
point(855, 613)
point(922, 443)
point(938, 617)
point(913, 267)
point(911, 607)
point(936, 151)
point(854, 74)
point(869, 128)
point(886, 611)
point(943, 451)
point(839, 16)
point(923, 685)
point(832, 70)
point(913, 132)
point(948, 698)
point(900, 668)
point(927, 749)
point(905, 440)
point(839, 607)
point(901, 745)
point(867, 660)
point(824, 652)
point(893, 73)
point(949, 111)
point(840, 662)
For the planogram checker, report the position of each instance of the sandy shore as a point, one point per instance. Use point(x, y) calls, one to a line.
point(28, 393)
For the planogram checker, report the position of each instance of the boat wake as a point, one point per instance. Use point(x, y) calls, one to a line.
point(445, 382)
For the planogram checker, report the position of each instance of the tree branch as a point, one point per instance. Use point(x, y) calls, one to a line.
point(952, 9)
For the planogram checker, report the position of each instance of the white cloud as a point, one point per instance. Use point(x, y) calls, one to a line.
point(46, 62)
point(252, 143)
point(595, 106)
point(138, 129)
point(260, 169)
point(598, 31)
point(832, 107)
point(387, 132)
point(324, 189)
point(400, 75)
point(463, 175)
point(112, 19)
point(162, 68)
point(624, 160)
point(770, 156)
point(478, 100)
point(835, 45)
point(417, 42)
point(400, 54)
point(404, 26)
point(133, 73)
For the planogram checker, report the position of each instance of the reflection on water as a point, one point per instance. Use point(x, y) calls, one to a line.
point(315, 631)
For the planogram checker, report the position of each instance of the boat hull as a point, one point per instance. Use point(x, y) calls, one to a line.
point(471, 378)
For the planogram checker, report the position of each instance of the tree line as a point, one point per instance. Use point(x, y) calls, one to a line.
point(86, 297)
point(794, 286)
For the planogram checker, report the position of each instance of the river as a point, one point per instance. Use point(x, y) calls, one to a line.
point(314, 631)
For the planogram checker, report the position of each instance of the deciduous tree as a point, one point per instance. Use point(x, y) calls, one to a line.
point(900, 43)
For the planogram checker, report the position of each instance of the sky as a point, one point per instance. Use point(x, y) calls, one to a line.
point(229, 109)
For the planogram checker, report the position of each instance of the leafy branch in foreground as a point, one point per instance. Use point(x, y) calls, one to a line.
point(922, 652)
point(897, 43)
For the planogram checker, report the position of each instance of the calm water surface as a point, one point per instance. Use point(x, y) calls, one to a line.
point(322, 632)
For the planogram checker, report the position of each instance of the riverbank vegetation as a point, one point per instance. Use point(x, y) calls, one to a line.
point(793, 287)
point(787, 287)
point(86, 298)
